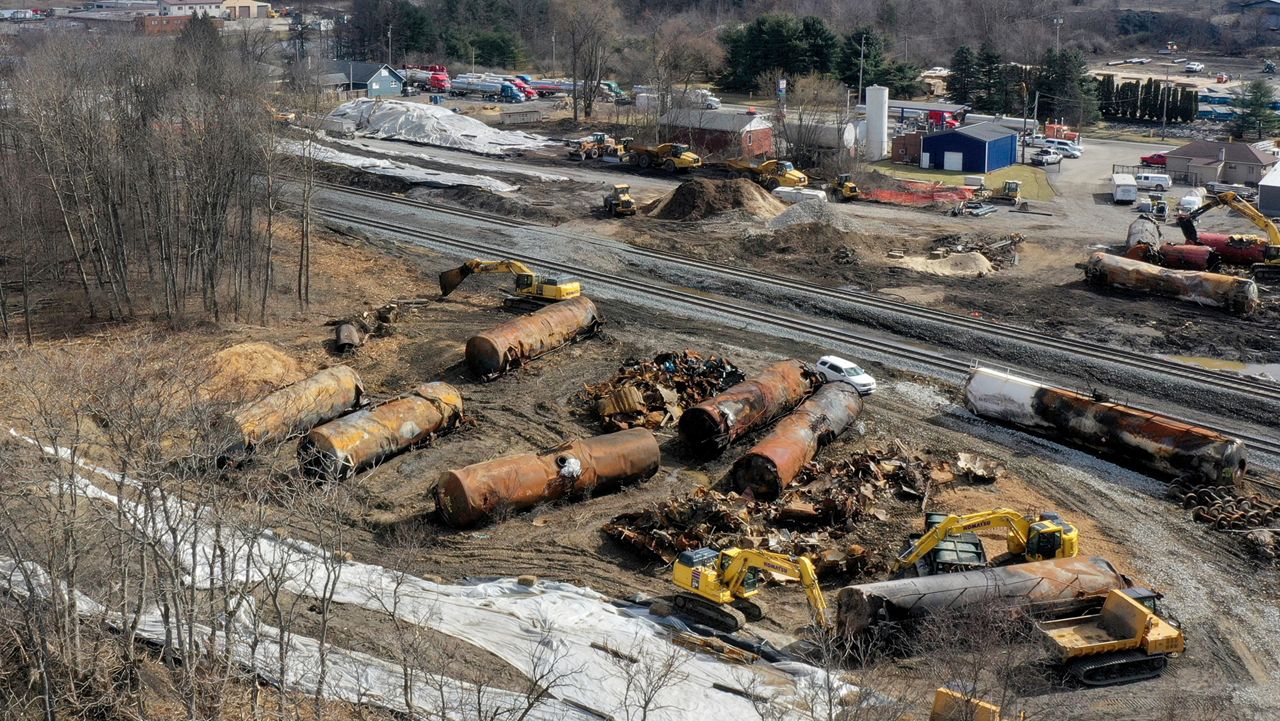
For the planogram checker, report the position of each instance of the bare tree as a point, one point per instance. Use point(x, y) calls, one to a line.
point(647, 673)
point(590, 28)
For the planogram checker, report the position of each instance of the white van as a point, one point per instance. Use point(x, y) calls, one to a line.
point(1067, 148)
point(1153, 181)
point(1124, 190)
point(1194, 68)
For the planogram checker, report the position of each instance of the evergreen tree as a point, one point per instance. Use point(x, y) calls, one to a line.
point(862, 58)
point(989, 93)
point(1253, 103)
point(963, 80)
point(820, 44)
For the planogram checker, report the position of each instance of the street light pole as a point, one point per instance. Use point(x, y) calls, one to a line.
point(862, 54)
point(1164, 109)
point(1057, 34)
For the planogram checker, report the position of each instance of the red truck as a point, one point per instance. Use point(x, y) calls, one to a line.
point(433, 78)
point(942, 119)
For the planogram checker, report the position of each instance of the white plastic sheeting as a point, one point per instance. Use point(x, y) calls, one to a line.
point(349, 675)
point(432, 125)
point(512, 621)
point(492, 166)
point(411, 173)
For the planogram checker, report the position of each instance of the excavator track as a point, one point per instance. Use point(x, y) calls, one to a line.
point(751, 608)
point(698, 610)
point(1117, 668)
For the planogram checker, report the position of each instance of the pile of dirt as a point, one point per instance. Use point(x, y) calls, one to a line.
point(702, 198)
point(813, 211)
point(249, 370)
point(511, 207)
point(956, 265)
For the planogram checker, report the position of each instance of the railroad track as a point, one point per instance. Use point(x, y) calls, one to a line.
point(785, 321)
point(1118, 356)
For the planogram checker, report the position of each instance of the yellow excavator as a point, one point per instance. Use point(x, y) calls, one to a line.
point(1268, 271)
point(720, 587)
point(1029, 538)
point(531, 289)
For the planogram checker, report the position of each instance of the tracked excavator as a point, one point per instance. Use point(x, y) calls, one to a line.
point(1268, 271)
point(1029, 538)
point(720, 587)
point(532, 290)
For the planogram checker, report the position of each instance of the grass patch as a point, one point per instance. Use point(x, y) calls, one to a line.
point(1035, 184)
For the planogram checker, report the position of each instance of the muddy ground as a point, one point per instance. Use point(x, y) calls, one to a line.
point(1121, 516)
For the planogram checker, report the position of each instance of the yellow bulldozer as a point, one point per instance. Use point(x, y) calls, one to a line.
point(719, 588)
point(844, 189)
point(593, 146)
point(531, 290)
point(618, 203)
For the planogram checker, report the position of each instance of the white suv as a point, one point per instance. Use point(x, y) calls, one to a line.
point(839, 370)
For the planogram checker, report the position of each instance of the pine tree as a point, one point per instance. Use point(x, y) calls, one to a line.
point(963, 80)
point(1255, 115)
point(989, 95)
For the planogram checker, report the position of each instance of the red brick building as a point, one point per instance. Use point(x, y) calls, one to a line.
point(164, 24)
point(720, 132)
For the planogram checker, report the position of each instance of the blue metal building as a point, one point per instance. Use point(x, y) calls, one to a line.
point(376, 79)
point(977, 148)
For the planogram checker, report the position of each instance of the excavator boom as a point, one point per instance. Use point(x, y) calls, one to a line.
point(1234, 202)
point(1035, 538)
point(451, 279)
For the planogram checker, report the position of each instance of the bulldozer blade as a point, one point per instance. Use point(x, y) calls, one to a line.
point(451, 279)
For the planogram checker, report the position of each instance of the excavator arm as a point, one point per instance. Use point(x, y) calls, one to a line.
point(800, 569)
point(451, 279)
point(999, 518)
point(1233, 201)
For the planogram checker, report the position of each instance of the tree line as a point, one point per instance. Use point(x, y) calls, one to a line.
point(1150, 100)
point(988, 83)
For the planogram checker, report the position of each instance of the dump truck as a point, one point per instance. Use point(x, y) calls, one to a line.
point(671, 157)
point(1124, 640)
point(618, 203)
point(593, 146)
point(770, 173)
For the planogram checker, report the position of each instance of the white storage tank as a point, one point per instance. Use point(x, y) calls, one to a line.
point(877, 147)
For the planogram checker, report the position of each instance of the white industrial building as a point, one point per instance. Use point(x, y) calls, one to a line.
point(1269, 193)
point(186, 7)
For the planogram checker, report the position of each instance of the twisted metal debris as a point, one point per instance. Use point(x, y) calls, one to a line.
point(654, 394)
point(1223, 509)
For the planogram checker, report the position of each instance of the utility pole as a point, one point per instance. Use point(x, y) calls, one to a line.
point(1164, 105)
point(1057, 34)
point(554, 67)
point(388, 43)
point(862, 54)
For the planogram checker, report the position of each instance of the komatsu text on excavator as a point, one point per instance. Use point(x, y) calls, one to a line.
point(1029, 538)
point(720, 587)
point(531, 289)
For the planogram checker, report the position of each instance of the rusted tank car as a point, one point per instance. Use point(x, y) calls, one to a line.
point(1043, 583)
point(298, 407)
point(1143, 231)
point(1189, 257)
point(773, 463)
point(341, 447)
point(467, 496)
point(1237, 295)
point(1153, 443)
point(711, 426)
point(494, 352)
point(1242, 250)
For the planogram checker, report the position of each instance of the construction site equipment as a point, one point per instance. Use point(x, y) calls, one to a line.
point(340, 448)
point(1267, 271)
point(671, 157)
point(298, 407)
point(1232, 294)
point(1155, 443)
point(531, 289)
point(576, 469)
point(497, 350)
point(593, 146)
point(952, 703)
point(711, 426)
point(773, 463)
point(770, 174)
point(1010, 191)
point(1062, 583)
point(1029, 538)
point(1125, 640)
point(844, 189)
point(619, 203)
point(720, 587)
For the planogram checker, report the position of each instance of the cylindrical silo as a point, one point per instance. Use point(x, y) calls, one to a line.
point(877, 147)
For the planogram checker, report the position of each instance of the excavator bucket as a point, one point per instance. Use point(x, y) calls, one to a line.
point(451, 279)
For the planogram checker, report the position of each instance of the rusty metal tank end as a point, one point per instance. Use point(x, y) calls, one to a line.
point(775, 461)
point(1235, 295)
point(341, 447)
point(470, 495)
point(1059, 581)
point(711, 426)
point(347, 338)
point(494, 352)
point(298, 407)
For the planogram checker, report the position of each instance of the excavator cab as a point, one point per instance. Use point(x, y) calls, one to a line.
point(720, 588)
point(1049, 537)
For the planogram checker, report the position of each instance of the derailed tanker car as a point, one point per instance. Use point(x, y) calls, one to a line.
point(296, 408)
point(1236, 295)
point(341, 447)
point(1164, 446)
point(494, 352)
point(711, 426)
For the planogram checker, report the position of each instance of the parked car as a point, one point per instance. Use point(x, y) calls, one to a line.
point(1034, 140)
point(839, 370)
point(1194, 68)
point(976, 208)
point(1155, 159)
point(1066, 148)
point(1153, 181)
point(1046, 157)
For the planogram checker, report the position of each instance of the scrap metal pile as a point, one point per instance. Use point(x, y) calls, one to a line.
point(815, 517)
point(654, 394)
point(1223, 509)
point(1001, 250)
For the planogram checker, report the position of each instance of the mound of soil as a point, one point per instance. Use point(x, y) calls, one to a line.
point(702, 198)
point(956, 265)
point(249, 370)
point(483, 200)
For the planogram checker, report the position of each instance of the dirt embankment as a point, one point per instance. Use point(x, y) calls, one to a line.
point(699, 199)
